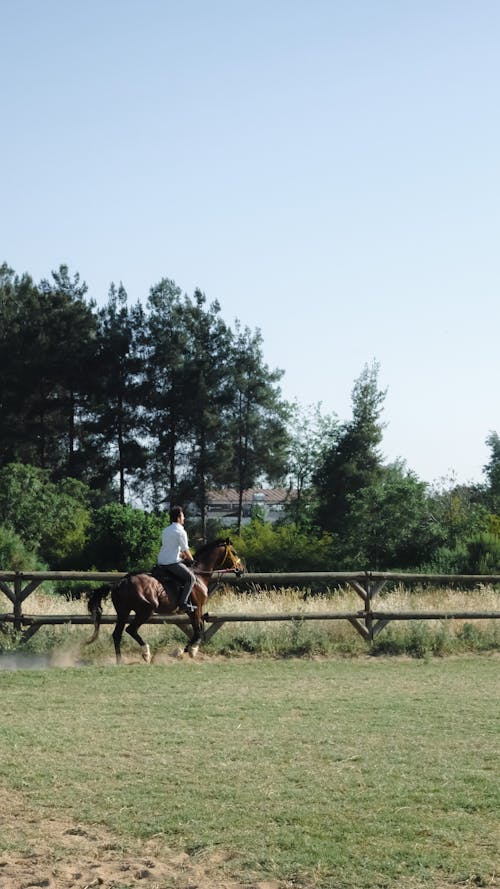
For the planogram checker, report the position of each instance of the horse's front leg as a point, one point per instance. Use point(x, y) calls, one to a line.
point(197, 624)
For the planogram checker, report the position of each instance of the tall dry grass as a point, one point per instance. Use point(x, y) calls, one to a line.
point(338, 636)
point(284, 638)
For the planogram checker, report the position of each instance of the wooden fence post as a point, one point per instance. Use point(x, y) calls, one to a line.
point(18, 603)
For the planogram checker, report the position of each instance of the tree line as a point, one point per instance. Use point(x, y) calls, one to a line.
point(154, 403)
point(103, 407)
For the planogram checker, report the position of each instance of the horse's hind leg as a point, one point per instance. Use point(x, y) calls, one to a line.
point(133, 628)
point(117, 637)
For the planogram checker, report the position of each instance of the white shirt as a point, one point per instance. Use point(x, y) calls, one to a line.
point(174, 541)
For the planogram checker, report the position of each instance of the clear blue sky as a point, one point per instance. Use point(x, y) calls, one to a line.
point(328, 171)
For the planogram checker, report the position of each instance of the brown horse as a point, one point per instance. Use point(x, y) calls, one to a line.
point(145, 594)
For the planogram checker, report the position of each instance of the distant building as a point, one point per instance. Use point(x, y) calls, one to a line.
point(223, 504)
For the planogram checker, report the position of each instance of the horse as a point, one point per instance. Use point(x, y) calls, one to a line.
point(145, 594)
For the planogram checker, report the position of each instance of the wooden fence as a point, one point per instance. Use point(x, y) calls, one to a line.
point(367, 621)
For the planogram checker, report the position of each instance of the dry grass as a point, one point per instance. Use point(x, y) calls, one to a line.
point(484, 598)
point(283, 599)
point(275, 601)
point(308, 637)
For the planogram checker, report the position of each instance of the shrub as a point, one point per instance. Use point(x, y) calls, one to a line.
point(483, 555)
point(49, 517)
point(283, 548)
point(124, 539)
point(15, 555)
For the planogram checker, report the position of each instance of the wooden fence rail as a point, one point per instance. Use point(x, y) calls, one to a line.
point(18, 586)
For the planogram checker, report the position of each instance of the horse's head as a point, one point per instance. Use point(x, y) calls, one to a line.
point(232, 559)
point(220, 555)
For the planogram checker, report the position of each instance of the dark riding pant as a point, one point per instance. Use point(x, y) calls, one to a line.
point(186, 576)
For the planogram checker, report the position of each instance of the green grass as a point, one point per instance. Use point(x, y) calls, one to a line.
point(329, 773)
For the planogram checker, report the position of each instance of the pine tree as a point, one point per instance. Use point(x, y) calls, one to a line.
point(207, 351)
point(18, 305)
point(116, 434)
point(68, 329)
point(165, 394)
point(48, 331)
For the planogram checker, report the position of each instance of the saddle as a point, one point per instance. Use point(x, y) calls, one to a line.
point(161, 573)
point(170, 586)
point(169, 582)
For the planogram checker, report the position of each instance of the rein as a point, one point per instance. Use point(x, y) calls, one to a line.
point(216, 571)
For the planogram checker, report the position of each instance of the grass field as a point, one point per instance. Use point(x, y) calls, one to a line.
point(332, 774)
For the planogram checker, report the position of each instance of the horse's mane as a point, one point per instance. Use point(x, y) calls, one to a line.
point(207, 547)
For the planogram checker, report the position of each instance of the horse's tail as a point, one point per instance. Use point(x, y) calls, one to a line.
point(95, 608)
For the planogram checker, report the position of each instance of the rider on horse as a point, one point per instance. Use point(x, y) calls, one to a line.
point(175, 555)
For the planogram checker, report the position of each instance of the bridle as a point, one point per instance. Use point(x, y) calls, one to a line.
point(229, 556)
point(234, 560)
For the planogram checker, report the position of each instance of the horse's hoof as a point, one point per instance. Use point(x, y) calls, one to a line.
point(178, 653)
point(146, 654)
point(193, 651)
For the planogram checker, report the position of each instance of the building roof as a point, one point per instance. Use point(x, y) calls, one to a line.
point(269, 496)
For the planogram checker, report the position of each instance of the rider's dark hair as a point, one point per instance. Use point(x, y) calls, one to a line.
point(175, 512)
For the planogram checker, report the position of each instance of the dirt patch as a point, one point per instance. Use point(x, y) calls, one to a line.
point(48, 853)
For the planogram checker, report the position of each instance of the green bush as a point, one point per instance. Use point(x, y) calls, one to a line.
point(419, 640)
point(390, 642)
point(447, 560)
point(122, 538)
point(475, 638)
point(50, 518)
point(483, 555)
point(477, 555)
point(442, 643)
point(15, 555)
point(283, 548)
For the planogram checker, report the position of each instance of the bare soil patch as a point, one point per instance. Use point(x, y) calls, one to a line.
point(51, 853)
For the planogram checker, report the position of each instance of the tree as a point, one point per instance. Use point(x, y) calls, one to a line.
point(458, 511)
point(391, 525)
point(283, 547)
point(51, 518)
point(207, 351)
point(15, 555)
point(256, 417)
point(165, 391)
point(492, 472)
point(116, 432)
point(310, 436)
point(19, 301)
point(460, 516)
point(68, 330)
point(124, 539)
point(46, 333)
point(351, 462)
